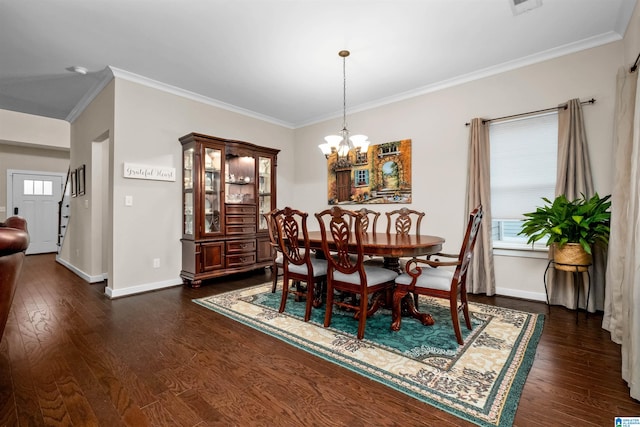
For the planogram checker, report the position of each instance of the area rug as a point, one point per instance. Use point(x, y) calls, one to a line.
point(480, 381)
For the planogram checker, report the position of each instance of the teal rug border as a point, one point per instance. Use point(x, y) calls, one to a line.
point(513, 396)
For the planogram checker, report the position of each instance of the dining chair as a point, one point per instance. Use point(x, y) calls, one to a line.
point(403, 220)
point(275, 248)
point(369, 220)
point(371, 285)
point(369, 225)
point(298, 265)
point(431, 280)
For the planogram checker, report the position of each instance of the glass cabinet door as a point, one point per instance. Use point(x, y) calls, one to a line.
point(240, 179)
point(264, 190)
point(187, 173)
point(212, 186)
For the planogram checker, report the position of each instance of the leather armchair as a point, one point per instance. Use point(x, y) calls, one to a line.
point(14, 240)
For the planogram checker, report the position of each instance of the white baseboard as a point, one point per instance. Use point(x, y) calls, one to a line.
point(117, 293)
point(517, 293)
point(80, 273)
point(111, 293)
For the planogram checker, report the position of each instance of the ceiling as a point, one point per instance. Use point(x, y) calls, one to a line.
point(278, 59)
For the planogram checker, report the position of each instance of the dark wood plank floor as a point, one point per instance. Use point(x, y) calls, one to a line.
point(72, 357)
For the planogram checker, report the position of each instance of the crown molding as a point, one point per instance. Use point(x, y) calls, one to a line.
point(104, 77)
point(109, 73)
point(136, 78)
point(476, 75)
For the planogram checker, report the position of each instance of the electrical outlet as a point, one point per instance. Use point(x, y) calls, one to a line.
point(156, 263)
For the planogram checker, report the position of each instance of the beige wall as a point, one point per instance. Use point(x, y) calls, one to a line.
point(31, 143)
point(34, 131)
point(87, 243)
point(147, 125)
point(632, 37)
point(129, 122)
point(21, 157)
point(435, 124)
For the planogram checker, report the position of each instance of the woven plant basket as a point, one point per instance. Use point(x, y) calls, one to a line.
point(571, 257)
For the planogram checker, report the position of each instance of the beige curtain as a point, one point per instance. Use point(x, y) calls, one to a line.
point(481, 277)
point(622, 299)
point(574, 180)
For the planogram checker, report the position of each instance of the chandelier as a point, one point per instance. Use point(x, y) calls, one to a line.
point(344, 142)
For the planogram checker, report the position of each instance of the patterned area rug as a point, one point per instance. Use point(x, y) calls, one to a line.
point(480, 382)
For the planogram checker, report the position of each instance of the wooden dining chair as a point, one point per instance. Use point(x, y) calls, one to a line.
point(403, 220)
point(438, 282)
point(372, 286)
point(298, 265)
point(369, 225)
point(276, 254)
point(369, 220)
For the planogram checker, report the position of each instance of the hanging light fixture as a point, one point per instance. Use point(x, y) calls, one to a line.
point(344, 142)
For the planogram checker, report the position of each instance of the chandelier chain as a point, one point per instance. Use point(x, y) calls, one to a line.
point(344, 92)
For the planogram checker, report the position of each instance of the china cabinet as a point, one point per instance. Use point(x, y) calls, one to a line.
point(227, 186)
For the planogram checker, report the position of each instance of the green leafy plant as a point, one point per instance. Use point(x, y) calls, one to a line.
point(584, 221)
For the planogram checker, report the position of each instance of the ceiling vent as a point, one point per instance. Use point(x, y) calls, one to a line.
point(522, 6)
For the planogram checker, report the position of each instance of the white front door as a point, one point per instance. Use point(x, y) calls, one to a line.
point(35, 197)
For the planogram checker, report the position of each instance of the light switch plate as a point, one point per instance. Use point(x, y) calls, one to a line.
point(128, 200)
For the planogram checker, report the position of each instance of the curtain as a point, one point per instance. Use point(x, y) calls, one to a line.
point(574, 180)
point(481, 277)
point(622, 298)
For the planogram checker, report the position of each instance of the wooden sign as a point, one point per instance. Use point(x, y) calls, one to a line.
point(155, 173)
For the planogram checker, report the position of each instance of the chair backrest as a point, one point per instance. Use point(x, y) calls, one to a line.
point(291, 226)
point(369, 220)
point(273, 232)
point(403, 219)
point(345, 231)
point(469, 242)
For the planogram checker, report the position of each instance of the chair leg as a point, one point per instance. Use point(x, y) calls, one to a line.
point(362, 319)
point(465, 309)
point(329, 306)
point(453, 305)
point(309, 302)
point(285, 294)
point(274, 272)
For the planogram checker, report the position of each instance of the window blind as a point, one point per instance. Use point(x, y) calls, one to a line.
point(523, 164)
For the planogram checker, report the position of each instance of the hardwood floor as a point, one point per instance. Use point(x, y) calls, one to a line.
point(72, 357)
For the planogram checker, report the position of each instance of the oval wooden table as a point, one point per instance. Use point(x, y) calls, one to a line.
point(391, 247)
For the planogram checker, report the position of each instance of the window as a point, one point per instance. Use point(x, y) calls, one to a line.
point(37, 187)
point(523, 170)
point(362, 177)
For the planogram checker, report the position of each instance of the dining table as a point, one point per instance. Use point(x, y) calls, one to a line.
point(390, 246)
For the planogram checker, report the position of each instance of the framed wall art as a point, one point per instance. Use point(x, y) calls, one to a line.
point(81, 180)
point(73, 183)
point(382, 174)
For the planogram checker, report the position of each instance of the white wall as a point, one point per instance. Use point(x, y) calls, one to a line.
point(435, 123)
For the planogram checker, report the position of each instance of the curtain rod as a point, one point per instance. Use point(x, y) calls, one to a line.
point(635, 64)
point(563, 106)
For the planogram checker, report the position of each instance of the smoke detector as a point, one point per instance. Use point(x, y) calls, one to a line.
point(77, 69)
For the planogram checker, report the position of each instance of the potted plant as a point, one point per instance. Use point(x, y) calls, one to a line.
point(572, 228)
